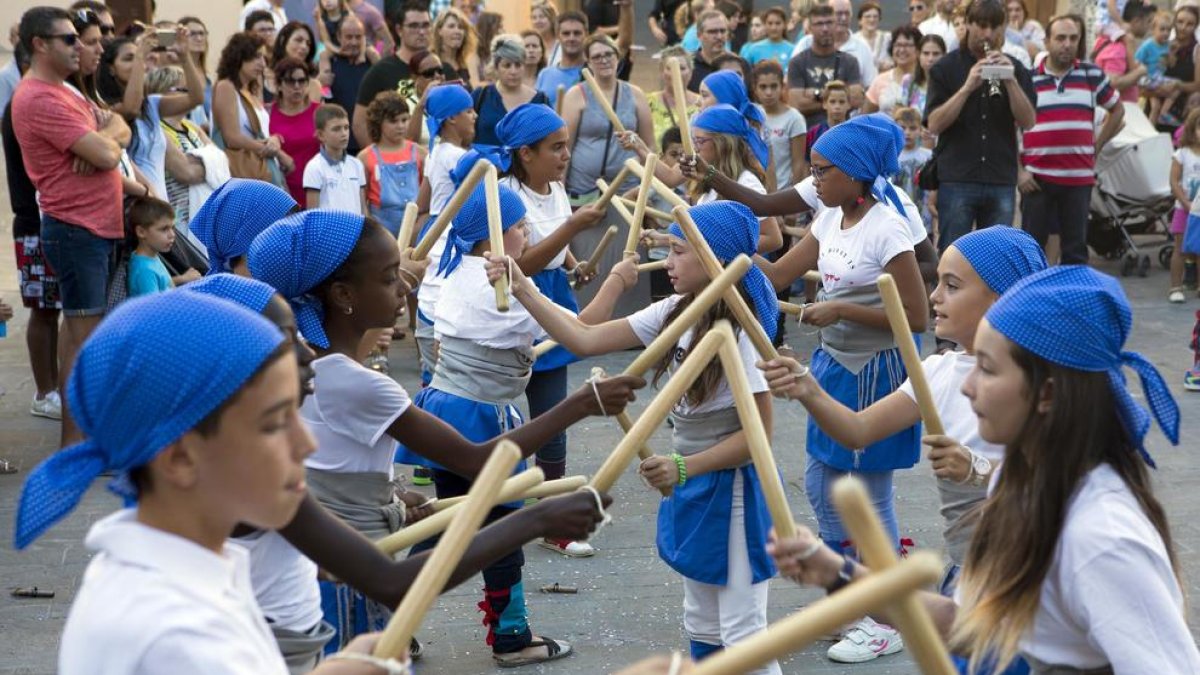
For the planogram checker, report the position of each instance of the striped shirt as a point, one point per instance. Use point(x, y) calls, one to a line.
point(1060, 148)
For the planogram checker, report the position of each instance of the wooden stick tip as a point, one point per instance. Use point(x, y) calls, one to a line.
point(849, 491)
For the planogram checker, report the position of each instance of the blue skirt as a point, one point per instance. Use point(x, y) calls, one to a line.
point(693, 526)
point(883, 375)
point(555, 285)
point(350, 613)
point(477, 422)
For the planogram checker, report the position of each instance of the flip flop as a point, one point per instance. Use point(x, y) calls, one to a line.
point(554, 651)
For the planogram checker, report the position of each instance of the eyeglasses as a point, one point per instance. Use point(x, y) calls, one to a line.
point(68, 39)
point(296, 81)
point(701, 140)
point(819, 170)
point(604, 56)
point(431, 73)
point(916, 8)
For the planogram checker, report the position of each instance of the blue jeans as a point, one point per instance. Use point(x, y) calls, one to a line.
point(546, 389)
point(964, 206)
point(83, 263)
point(819, 478)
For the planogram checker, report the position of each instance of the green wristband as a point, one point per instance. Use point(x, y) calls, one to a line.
point(681, 463)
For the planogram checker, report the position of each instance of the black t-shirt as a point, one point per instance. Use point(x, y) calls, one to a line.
point(386, 75)
point(347, 78)
point(601, 14)
point(664, 13)
point(981, 145)
point(27, 220)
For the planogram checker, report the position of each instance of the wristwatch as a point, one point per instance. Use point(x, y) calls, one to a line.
point(981, 471)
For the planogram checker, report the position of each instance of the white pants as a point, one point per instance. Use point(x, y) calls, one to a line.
point(726, 615)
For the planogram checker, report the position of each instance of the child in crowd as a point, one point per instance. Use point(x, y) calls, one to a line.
point(332, 179)
point(775, 46)
point(784, 128)
point(394, 165)
point(1185, 185)
point(1154, 54)
point(656, 248)
point(329, 15)
point(151, 224)
point(912, 158)
point(835, 100)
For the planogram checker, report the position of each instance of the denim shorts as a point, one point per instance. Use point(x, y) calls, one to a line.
point(83, 263)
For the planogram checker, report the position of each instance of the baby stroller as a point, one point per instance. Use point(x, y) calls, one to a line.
point(1132, 194)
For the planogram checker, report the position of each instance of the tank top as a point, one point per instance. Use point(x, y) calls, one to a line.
point(597, 153)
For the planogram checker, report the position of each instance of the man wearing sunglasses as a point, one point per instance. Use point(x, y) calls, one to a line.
point(71, 152)
point(941, 23)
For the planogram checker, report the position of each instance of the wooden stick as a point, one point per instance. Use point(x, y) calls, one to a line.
point(618, 204)
point(790, 308)
point(452, 207)
point(639, 208)
point(909, 354)
point(491, 183)
point(434, 574)
point(542, 347)
point(659, 186)
point(797, 631)
point(643, 451)
point(813, 276)
point(670, 335)
point(435, 524)
point(593, 261)
point(733, 299)
point(610, 191)
point(652, 212)
point(652, 417)
point(559, 92)
point(653, 265)
point(756, 433)
point(877, 553)
point(681, 116)
point(407, 225)
point(605, 106)
point(548, 489)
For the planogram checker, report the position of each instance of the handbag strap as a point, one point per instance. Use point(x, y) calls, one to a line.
point(251, 115)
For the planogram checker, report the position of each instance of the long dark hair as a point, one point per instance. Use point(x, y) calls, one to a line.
point(1184, 44)
point(83, 19)
point(922, 75)
point(1020, 524)
point(112, 91)
point(280, 50)
point(242, 47)
point(706, 384)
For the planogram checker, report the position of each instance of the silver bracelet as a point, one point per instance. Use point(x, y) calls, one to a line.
point(389, 666)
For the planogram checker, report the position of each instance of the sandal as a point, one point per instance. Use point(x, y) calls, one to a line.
point(554, 650)
point(6, 467)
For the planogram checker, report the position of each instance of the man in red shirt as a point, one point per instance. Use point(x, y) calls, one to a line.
point(71, 152)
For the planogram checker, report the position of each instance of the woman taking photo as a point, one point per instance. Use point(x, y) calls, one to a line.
point(241, 123)
point(197, 44)
point(891, 88)
point(454, 42)
point(508, 92)
point(292, 120)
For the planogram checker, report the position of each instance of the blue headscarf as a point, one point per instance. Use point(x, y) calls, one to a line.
point(866, 148)
point(470, 226)
point(1078, 318)
point(725, 119)
point(524, 125)
point(444, 101)
point(233, 216)
point(249, 293)
point(1001, 255)
point(489, 153)
point(731, 229)
point(299, 252)
point(131, 405)
point(729, 88)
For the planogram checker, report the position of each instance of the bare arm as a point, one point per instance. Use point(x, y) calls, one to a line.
point(912, 294)
point(1023, 112)
point(183, 168)
point(783, 203)
point(1177, 184)
point(171, 105)
point(535, 258)
point(770, 236)
point(624, 29)
point(799, 166)
point(312, 198)
point(98, 149)
point(799, 259)
point(890, 415)
point(225, 116)
point(645, 123)
point(572, 111)
point(416, 120)
point(804, 100)
point(734, 450)
point(1112, 125)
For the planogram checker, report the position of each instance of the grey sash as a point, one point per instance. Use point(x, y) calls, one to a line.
point(1039, 668)
point(697, 433)
point(472, 371)
point(957, 502)
point(302, 651)
point(362, 499)
point(853, 345)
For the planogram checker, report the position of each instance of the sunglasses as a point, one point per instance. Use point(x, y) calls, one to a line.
point(68, 39)
point(916, 8)
point(430, 73)
point(296, 81)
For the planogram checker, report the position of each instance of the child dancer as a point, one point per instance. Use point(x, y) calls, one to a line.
point(712, 528)
point(394, 164)
point(1072, 565)
point(208, 443)
point(340, 272)
point(233, 215)
point(484, 364)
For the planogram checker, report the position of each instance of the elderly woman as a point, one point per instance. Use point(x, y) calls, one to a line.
point(869, 15)
point(892, 88)
point(508, 92)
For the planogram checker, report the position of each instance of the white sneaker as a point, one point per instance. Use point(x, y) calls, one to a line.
point(1176, 295)
point(49, 407)
point(571, 549)
point(865, 642)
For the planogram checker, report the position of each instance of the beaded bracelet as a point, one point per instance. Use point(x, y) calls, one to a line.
point(681, 464)
point(708, 175)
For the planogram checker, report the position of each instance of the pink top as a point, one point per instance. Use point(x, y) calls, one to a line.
point(299, 134)
point(1112, 57)
point(47, 120)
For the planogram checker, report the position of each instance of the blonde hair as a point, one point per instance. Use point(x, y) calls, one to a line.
point(470, 41)
point(733, 157)
point(1163, 16)
point(905, 115)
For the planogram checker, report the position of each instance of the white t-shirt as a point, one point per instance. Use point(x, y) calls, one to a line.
point(442, 160)
point(468, 311)
point(341, 184)
point(1189, 178)
point(648, 323)
point(1110, 596)
point(857, 256)
point(946, 373)
point(349, 415)
point(745, 179)
point(153, 602)
point(543, 213)
point(284, 581)
point(916, 226)
point(780, 130)
point(939, 26)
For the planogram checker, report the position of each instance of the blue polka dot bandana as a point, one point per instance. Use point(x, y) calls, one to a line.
point(299, 252)
point(524, 125)
point(1001, 255)
point(488, 153)
point(470, 226)
point(731, 229)
point(443, 102)
point(866, 148)
point(1078, 318)
point(729, 88)
point(249, 293)
point(233, 216)
point(131, 404)
point(725, 119)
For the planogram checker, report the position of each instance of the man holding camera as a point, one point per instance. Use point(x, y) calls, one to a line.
point(977, 99)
